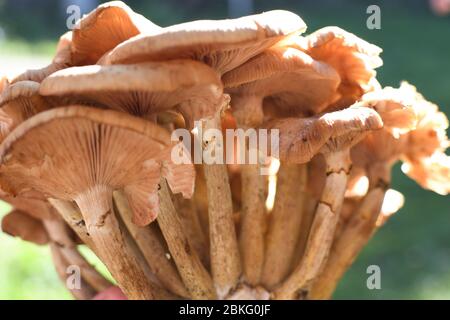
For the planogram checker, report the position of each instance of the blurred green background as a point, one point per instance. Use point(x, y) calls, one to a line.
point(412, 250)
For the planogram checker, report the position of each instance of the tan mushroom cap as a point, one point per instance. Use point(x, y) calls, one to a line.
point(103, 29)
point(61, 60)
point(95, 34)
point(302, 138)
point(422, 148)
point(19, 224)
point(66, 152)
point(395, 107)
point(222, 44)
point(295, 83)
point(354, 59)
point(19, 101)
point(143, 89)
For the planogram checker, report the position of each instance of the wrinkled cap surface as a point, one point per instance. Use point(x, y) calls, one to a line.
point(353, 58)
point(222, 44)
point(65, 152)
point(302, 138)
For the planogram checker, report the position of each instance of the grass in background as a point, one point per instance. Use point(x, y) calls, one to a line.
point(413, 248)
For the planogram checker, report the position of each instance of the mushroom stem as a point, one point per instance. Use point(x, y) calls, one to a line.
point(149, 242)
point(285, 223)
point(197, 280)
point(225, 259)
point(85, 291)
point(308, 210)
point(253, 223)
point(354, 236)
point(323, 226)
point(190, 220)
point(58, 232)
point(72, 215)
point(114, 248)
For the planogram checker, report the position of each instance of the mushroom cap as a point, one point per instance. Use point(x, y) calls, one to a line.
point(18, 102)
point(302, 138)
point(65, 152)
point(353, 58)
point(37, 208)
point(395, 107)
point(103, 29)
point(431, 173)
point(142, 89)
point(61, 60)
point(293, 81)
point(19, 224)
point(222, 44)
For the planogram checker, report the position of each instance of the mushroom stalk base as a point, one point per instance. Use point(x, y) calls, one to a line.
point(285, 223)
point(224, 251)
point(354, 236)
point(197, 280)
point(253, 223)
point(323, 227)
point(114, 248)
point(152, 248)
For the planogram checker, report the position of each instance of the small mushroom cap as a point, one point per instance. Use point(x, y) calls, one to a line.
point(222, 44)
point(431, 173)
point(61, 60)
point(302, 138)
point(65, 152)
point(19, 224)
point(37, 208)
point(395, 107)
point(103, 29)
point(295, 83)
point(353, 58)
point(19, 101)
point(142, 89)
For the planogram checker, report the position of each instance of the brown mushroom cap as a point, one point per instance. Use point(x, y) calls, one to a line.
point(222, 44)
point(395, 107)
point(422, 148)
point(19, 101)
point(142, 89)
point(294, 82)
point(19, 224)
point(66, 152)
point(353, 58)
point(302, 138)
point(95, 34)
point(103, 29)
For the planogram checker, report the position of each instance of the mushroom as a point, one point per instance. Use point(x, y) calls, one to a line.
point(94, 35)
point(104, 28)
point(20, 224)
point(297, 85)
point(152, 247)
point(222, 44)
point(39, 155)
point(425, 141)
point(354, 59)
point(144, 90)
point(332, 135)
point(18, 102)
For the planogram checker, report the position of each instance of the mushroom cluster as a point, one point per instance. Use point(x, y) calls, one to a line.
point(86, 154)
